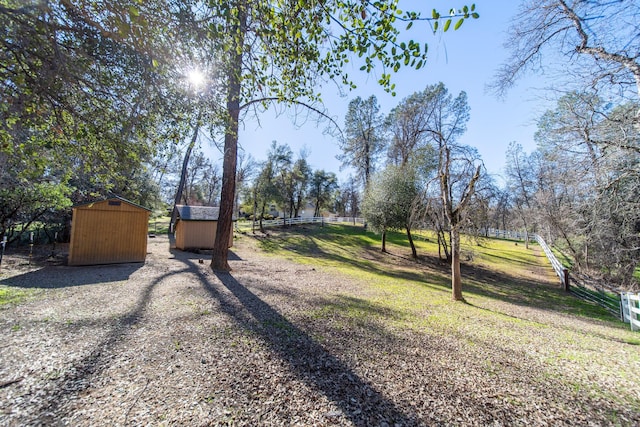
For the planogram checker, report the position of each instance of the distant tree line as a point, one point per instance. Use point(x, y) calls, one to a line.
point(288, 183)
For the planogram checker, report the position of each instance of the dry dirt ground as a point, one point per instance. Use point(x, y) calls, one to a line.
point(169, 342)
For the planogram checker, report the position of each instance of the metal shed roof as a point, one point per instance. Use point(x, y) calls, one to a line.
point(198, 213)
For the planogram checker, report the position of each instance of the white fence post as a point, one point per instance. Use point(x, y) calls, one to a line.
point(624, 306)
point(630, 304)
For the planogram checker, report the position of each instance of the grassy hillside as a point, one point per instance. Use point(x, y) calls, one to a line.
point(513, 303)
point(509, 290)
point(494, 271)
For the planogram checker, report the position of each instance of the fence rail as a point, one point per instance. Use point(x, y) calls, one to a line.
point(281, 222)
point(579, 286)
point(557, 265)
point(609, 302)
point(630, 304)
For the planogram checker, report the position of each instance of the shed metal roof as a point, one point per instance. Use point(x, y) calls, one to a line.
point(198, 213)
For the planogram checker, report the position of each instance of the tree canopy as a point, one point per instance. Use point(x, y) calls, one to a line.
point(82, 111)
point(94, 90)
point(280, 52)
point(364, 137)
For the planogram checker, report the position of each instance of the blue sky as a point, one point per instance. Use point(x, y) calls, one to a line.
point(466, 59)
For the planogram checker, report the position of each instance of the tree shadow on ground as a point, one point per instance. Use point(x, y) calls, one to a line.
point(313, 364)
point(526, 292)
point(512, 260)
point(55, 277)
point(358, 399)
point(79, 376)
point(370, 260)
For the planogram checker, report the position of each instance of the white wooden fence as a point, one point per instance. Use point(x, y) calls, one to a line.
point(280, 222)
point(631, 309)
point(509, 234)
point(557, 265)
point(576, 285)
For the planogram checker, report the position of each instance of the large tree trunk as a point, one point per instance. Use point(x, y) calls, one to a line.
point(453, 215)
point(225, 219)
point(384, 240)
point(456, 278)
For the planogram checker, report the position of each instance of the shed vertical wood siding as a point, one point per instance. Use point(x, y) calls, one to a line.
point(197, 234)
point(108, 232)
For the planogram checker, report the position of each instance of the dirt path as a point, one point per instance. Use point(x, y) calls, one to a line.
point(171, 343)
point(543, 271)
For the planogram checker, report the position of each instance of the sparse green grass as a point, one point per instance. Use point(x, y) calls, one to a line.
point(159, 225)
point(10, 295)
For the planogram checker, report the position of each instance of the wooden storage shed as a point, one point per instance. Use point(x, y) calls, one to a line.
point(110, 231)
point(196, 227)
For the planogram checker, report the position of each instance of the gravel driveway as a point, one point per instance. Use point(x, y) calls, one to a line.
point(171, 343)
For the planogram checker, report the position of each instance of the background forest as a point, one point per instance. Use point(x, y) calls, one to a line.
point(97, 100)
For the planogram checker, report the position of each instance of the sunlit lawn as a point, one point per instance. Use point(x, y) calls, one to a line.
point(500, 279)
point(159, 225)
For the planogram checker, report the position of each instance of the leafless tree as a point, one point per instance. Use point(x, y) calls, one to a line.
point(588, 149)
point(482, 207)
point(521, 184)
point(194, 175)
point(211, 182)
point(598, 37)
point(456, 190)
point(458, 167)
point(349, 202)
point(588, 191)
